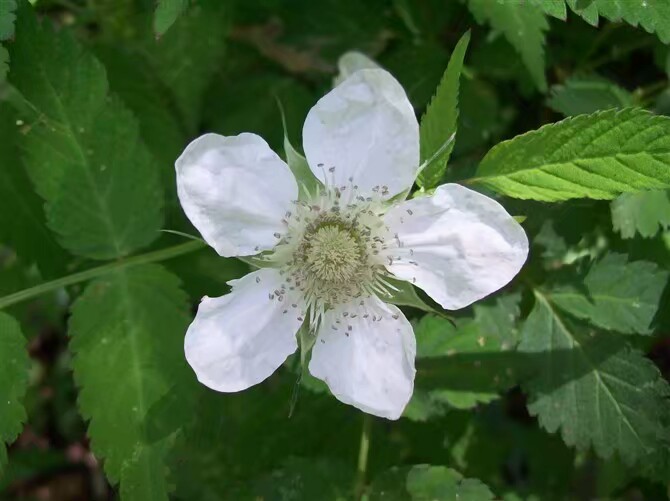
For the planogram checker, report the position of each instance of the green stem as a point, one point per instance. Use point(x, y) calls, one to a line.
point(83, 276)
point(363, 451)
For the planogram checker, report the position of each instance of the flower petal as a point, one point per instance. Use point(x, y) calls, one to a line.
point(240, 339)
point(367, 357)
point(235, 190)
point(457, 245)
point(365, 128)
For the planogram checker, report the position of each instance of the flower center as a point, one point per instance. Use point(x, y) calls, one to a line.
point(333, 249)
point(333, 253)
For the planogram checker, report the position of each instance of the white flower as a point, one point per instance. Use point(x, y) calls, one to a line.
point(328, 257)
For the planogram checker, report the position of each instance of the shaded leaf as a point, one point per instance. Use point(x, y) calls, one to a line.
point(127, 334)
point(645, 212)
point(615, 294)
point(523, 25)
point(583, 94)
point(167, 12)
point(601, 393)
point(7, 18)
point(594, 156)
point(13, 382)
point(82, 147)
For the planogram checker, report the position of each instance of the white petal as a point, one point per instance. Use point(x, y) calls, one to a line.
point(240, 339)
point(365, 128)
point(235, 190)
point(463, 245)
point(371, 365)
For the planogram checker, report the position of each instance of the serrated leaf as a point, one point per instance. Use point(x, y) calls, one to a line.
point(652, 15)
point(167, 12)
point(82, 147)
point(582, 94)
point(7, 18)
point(589, 156)
point(427, 483)
point(555, 8)
point(523, 25)
point(13, 382)
point(438, 124)
point(645, 212)
point(143, 476)
point(615, 294)
point(21, 207)
point(127, 333)
point(596, 389)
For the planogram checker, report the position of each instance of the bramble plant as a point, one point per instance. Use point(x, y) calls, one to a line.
point(338, 250)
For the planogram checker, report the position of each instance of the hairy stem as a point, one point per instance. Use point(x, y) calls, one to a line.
point(363, 451)
point(83, 276)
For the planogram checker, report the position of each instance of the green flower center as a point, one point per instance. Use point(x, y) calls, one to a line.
point(333, 254)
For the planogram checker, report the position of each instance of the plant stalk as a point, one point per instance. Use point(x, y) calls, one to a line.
point(363, 452)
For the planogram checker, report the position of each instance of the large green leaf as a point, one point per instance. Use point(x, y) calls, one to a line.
point(438, 124)
point(652, 15)
point(82, 147)
point(615, 294)
point(589, 156)
point(593, 387)
point(523, 25)
point(13, 382)
point(167, 12)
point(645, 212)
point(127, 333)
point(22, 223)
point(582, 94)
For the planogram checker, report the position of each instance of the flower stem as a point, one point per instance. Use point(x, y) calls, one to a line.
point(83, 276)
point(364, 449)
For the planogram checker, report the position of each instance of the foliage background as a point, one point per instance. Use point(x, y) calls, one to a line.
point(555, 388)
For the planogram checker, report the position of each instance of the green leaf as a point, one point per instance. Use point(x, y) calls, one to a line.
point(589, 156)
point(645, 212)
point(127, 332)
point(427, 483)
point(82, 147)
point(405, 295)
point(167, 12)
point(438, 123)
point(615, 294)
point(583, 94)
point(187, 56)
point(652, 15)
point(4, 63)
point(13, 382)
point(459, 347)
point(555, 8)
point(523, 25)
point(143, 475)
point(593, 387)
point(7, 18)
point(21, 207)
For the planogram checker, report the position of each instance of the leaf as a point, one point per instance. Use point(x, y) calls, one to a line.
point(21, 207)
point(582, 94)
point(645, 212)
point(7, 18)
point(427, 483)
point(82, 147)
point(492, 331)
point(589, 156)
point(13, 382)
point(617, 295)
point(555, 8)
point(167, 12)
point(143, 475)
point(405, 295)
point(187, 56)
point(652, 15)
point(438, 123)
point(127, 333)
point(598, 391)
point(523, 25)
